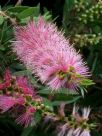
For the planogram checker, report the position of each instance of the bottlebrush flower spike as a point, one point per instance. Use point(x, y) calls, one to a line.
point(77, 125)
point(85, 133)
point(22, 83)
point(67, 131)
point(80, 132)
point(7, 80)
point(7, 75)
point(2, 86)
point(6, 102)
point(49, 55)
point(84, 113)
point(63, 130)
point(19, 95)
point(27, 117)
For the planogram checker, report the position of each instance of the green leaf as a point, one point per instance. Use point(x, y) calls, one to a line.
point(27, 131)
point(82, 90)
point(66, 14)
point(1, 20)
point(31, 11)
point(25, 20)
point(46, 102)
point(23, 73)
point(46, 90)
point(2, 48)
point(37, 117)
point(47, 16)
point(68, 101)
point(86, 82)
point(17, 9)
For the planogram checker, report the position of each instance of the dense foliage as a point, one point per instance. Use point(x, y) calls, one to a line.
point(81, 22)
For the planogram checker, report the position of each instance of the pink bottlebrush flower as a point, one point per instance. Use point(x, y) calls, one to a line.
point(49, 118)
point(20, 100)
point(80, 132)
point(61, 109)
point(63, 130)
point(23, 85)
point(5, 85)
point(7, 80)
point(70, 132)
point(6, 102)
point(61, 69)
point(85, 133)
point(7, 75)
point(81, 118)
point(66, 131)
point(77, 132)
point(49, 55)
point(84, 115)
point(2, 86)
point(75, 110)
point(27, 117)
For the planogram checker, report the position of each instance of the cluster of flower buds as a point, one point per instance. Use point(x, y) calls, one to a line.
point(80, 5)
point(44, 50)
point(85, 39)
point(19, 98)
point(75, 125)
point(92, 13)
